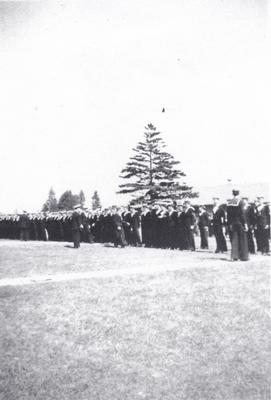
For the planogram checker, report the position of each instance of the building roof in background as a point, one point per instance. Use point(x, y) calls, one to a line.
point(224, 192)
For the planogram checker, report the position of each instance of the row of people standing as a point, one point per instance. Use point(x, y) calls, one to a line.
point(158, 226)
point(248, 226)
point(152, 226)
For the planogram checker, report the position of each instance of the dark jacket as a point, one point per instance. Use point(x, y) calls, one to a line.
point(262, 217)
point(219, 217)
point(236, 213)
point(117, 221)
point(25, 222)
point(189, 218)
point(203, 220)
point(135, 220)
point(76, 221)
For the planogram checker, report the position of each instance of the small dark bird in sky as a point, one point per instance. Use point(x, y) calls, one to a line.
point(163, 110)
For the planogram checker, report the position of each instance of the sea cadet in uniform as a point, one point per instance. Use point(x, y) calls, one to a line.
point(77, 225)
point(218, 222)
point(238, 228)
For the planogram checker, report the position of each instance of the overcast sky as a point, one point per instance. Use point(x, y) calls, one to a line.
point(80, 80)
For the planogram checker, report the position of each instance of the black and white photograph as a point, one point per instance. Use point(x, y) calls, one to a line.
point(135, 200)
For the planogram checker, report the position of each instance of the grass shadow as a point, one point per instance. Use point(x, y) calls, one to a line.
point(217, 259)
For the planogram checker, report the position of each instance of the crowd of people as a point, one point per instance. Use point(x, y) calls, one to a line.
point(157, 225)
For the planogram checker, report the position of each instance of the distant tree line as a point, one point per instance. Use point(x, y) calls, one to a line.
point(68, 200)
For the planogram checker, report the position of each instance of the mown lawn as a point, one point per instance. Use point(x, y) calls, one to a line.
point(200, 332)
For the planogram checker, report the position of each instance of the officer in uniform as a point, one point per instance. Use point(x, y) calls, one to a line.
point(203, 227)
point(250, 216)
point(189, 225)
point(262, 225)
point(181, 242)
point(119, 237)
point(218, 222)
point(146, 226)
point(136, 232)
point(77, 225)
point(172, 220)
point(25, 223)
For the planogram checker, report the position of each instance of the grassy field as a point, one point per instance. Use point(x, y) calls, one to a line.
point(200, 330)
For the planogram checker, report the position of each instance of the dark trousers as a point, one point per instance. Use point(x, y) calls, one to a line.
point(204, 235)
point(136, 236)
point(263, 239)
point(181, 242)
point(220, 239)
point(86, 236)
point(250, 242)
point(172, 234)
point(119, 238)
point(147, 236)
point(24, 234)
point(239, 246)
point(189, 238)
point(76, 239)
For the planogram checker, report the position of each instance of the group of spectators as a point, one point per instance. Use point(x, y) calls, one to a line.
point(157, 225)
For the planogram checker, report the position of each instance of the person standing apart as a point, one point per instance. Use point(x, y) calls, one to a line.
point(77, 225)
point(117, 221)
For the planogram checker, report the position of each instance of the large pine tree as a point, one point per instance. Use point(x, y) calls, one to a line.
point(152, 172)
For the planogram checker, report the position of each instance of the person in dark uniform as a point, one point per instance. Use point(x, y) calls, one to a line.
point(237, 227)
point(41, 228)
point(203, 227)
point(136, 233)
point(218, 223)
point(85, 233)
point(172, 220)
point(25, 224)
point(108, 226)
point(119, 237)
point(189, 225)
point(33, 235)
point(16, 232)
point(126, 217)
point(181, 242)
point(162, 229)
point(262, 226)
point(146, 226)
point(250, 216)
point(77, 225)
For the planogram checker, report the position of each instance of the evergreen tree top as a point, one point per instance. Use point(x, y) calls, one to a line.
point(152, 168)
